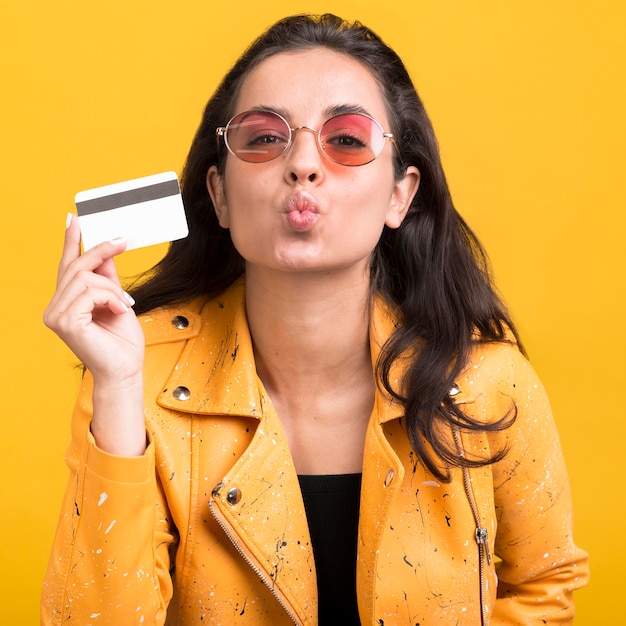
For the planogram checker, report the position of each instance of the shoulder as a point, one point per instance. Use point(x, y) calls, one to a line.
point(183, 321)
point(497, 376)
point(172, 323)
point(495, 362)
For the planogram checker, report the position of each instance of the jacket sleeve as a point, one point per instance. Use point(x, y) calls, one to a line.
point(540, 564)
point(110, 559)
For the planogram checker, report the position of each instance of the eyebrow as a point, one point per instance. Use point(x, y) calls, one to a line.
point(332, 111)
point(344, 109)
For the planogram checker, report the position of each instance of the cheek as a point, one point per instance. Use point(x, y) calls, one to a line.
point(245, 184)
point(360, 221)
point(368, 201)
point(247, 221)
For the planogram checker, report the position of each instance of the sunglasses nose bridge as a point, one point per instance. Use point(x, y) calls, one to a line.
point(311, 130)
point(295, 130)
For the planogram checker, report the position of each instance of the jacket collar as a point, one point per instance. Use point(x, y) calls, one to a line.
point(216, 370)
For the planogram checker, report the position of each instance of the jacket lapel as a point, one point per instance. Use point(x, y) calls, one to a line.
point(215, 374)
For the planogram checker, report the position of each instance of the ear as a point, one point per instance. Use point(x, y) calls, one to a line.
point(215, 185)
point(403, 192)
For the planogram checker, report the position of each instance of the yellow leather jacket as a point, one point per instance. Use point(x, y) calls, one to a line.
point(208, 527)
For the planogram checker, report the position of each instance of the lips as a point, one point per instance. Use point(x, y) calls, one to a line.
point(301, 211)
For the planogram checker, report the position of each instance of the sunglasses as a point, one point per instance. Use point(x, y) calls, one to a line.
point(260, 136)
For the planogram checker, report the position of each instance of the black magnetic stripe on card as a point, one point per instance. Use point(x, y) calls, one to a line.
point(124, 198)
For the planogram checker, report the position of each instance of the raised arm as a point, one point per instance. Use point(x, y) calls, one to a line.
point(110, 558)
point(92, 314)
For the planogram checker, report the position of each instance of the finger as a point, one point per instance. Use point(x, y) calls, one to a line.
point(71, 245)
point(68, 317)
point(107, 268)
point(83, 282)
point(93, 300)
point(97, 259)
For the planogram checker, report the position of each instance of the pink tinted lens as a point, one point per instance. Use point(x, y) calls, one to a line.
point(257, 136)
point(352, 139)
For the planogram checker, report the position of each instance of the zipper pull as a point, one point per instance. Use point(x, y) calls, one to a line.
point(482, 540)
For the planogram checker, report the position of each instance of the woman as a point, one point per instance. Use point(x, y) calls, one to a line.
point(343, 427)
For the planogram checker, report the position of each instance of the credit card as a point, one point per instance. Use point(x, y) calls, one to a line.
point(144, 211)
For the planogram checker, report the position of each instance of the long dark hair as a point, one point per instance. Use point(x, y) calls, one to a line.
point(432, 269)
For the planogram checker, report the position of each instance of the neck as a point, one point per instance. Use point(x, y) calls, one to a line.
point(309, 331)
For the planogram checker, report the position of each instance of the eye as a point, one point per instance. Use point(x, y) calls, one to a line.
point(266, 129)
point(345, 139)
point(258, 130)
point(348, 133)
point(266, 137)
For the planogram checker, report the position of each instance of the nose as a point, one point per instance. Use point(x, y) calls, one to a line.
point(304, 158)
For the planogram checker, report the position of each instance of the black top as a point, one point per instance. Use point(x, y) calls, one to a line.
point(332, 509)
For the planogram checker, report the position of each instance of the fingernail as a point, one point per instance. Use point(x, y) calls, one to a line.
point(130, 299)
point(117, 240)
point(68, 221)
point(124, 305)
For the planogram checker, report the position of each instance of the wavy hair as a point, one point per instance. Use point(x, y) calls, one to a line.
point(432, 269)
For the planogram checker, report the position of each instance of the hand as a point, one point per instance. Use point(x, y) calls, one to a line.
point(92, 314)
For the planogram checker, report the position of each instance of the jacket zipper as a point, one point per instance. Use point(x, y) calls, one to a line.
point(253, 566)
point(481, 535)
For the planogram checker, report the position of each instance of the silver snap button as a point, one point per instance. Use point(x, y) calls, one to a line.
point(180, 322)
point(389, 478)
point(233, 496)
point(181, 393)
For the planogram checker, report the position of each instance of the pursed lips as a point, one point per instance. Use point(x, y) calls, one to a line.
point(301, 211)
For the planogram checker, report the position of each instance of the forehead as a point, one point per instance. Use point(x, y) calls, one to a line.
point(310, 83)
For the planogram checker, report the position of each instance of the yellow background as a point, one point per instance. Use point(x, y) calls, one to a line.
point(528, 99)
